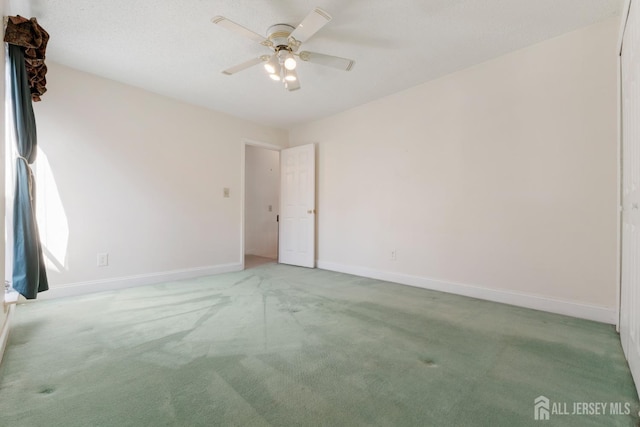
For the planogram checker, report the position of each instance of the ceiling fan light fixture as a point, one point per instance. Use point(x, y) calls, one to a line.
point(290, 62)
point(287, 59)
point(273, 65)
point(290, 75)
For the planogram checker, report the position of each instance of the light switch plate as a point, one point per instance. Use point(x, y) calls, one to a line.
point(103, 259)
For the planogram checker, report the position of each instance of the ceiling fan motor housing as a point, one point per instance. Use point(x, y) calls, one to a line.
point(279, 35)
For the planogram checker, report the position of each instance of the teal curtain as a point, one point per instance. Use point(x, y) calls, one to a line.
point(29, 273)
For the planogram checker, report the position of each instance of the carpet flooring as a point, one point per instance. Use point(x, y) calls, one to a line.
point(285, 346)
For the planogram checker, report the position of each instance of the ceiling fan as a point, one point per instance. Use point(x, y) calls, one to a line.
point(285, 41)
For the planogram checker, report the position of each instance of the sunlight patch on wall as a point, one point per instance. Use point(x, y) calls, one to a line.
point(52, 219)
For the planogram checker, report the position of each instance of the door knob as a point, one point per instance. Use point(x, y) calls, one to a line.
point(311, 211)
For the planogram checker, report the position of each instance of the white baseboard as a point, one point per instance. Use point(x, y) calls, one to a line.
point(4, 334)
point(83, 288)
point(568, 308)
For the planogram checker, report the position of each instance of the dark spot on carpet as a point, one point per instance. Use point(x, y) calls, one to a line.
point(428, 362)
point(291, 309)
point(47, 390)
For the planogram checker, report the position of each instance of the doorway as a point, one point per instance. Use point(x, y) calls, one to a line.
point(261, 204)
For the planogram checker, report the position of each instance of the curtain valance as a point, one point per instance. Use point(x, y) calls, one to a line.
point(28, 34)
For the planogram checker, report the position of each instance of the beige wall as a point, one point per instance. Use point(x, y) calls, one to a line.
point(501, 177)
point(138, 176)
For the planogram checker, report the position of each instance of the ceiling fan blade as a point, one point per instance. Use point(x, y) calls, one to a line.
point(238, 29)
point(245, 65)
point(310, 25)
point(328, 60)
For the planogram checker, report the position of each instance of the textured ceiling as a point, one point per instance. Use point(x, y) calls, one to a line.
point(171, 47)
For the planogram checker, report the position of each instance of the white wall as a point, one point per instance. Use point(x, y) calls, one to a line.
point(138, 176)
point(497, 181)
point(262, 184)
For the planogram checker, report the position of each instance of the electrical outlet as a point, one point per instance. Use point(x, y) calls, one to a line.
point(270, 208)
point(394, 255)
point(103, 259)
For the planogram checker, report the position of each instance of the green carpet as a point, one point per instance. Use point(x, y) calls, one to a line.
point(285, 346)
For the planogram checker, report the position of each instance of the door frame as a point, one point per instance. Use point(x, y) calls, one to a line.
point(629, 345)
point(243, 151)
point(623, 24)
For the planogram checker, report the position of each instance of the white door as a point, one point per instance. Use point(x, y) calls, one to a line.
point(297, 206)
point(630, 286)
